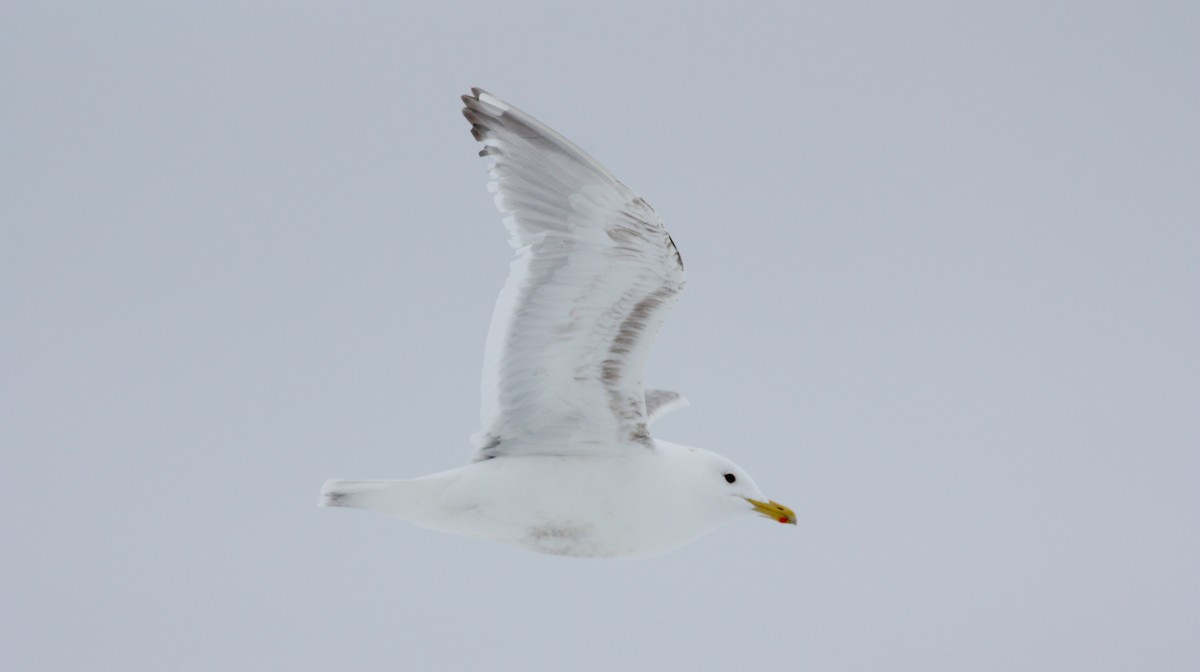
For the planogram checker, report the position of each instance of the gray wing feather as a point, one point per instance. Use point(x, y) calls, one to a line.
point(661, 402)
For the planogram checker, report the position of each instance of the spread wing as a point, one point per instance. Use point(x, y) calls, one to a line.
point(594, 277)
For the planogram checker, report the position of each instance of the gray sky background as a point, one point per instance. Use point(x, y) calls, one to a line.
point(944, 301)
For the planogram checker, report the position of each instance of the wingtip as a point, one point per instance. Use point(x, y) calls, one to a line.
point(474, 116)
point(480, 99)
point(476, 97)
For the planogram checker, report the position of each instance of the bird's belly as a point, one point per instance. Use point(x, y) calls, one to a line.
point(593, 507)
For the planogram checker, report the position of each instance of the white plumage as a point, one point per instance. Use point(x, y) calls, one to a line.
point(565, 462)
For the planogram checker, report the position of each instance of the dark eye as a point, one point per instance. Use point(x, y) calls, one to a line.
point(730, 478)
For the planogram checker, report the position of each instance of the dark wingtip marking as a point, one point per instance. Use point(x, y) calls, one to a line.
point(478, 118)
point(675, 249)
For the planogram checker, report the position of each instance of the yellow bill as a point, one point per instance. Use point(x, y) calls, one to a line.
point(773, 510)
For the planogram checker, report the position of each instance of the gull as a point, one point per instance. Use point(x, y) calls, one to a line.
point(565, 463)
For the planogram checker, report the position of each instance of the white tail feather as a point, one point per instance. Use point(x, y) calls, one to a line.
point(352, 494)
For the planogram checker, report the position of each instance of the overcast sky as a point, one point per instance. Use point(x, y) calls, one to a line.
point(943, 300)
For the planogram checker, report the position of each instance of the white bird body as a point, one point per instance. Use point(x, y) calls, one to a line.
point(565, 463)
point(565, 504)
point(578, 505)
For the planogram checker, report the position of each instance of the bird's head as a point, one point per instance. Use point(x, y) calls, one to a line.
point(731, 488)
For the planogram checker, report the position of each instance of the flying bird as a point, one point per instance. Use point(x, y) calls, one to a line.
point(565, 462)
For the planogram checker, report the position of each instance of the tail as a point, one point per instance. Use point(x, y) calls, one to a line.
point(413, 500)
point(353, 494)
